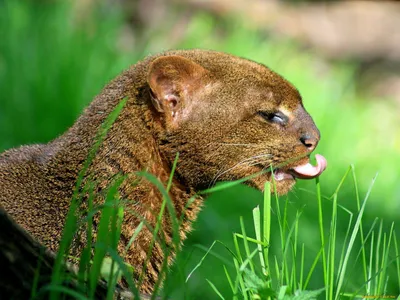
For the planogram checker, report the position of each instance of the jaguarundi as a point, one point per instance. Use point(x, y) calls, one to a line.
point(226, 116)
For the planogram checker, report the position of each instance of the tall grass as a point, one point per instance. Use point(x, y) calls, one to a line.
point(260, 273)
point(261, 270)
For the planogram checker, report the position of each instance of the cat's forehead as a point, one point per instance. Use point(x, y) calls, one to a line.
point(270, 85)
point(256, 80)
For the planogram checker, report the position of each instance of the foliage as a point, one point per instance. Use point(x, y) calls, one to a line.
point(262, 271)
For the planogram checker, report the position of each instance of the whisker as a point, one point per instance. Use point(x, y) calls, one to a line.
point(251, 161)
point(236, 144)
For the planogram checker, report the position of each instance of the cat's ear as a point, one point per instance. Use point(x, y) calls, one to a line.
point(172, 81)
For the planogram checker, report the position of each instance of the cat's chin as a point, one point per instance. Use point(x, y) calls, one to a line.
point(281, 185)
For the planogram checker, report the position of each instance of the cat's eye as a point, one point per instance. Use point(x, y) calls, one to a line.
point(275, 117)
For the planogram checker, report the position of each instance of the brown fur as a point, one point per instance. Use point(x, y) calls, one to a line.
point(203, 104)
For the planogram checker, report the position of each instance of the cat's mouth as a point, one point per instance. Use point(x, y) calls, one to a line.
point(304, 171)
point(285, 177)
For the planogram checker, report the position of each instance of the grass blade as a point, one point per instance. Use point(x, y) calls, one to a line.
point(351, 242)
point(257, 228)
point(215, 289)
point(267, 223)
point(245, 243)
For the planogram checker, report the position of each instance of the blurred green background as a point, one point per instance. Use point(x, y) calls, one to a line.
point(55, 56)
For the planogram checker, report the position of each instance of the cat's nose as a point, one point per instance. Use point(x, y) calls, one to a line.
point(310, 141)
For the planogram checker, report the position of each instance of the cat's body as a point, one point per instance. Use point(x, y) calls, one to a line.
point(226, 116)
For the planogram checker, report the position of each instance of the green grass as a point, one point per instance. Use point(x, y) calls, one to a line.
point(262, 268)
point(263, 271)
point(51, 66)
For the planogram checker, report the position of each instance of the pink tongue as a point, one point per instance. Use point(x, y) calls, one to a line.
point(308, 171)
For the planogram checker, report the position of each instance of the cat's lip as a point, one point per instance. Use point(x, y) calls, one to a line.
point(304, 171)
